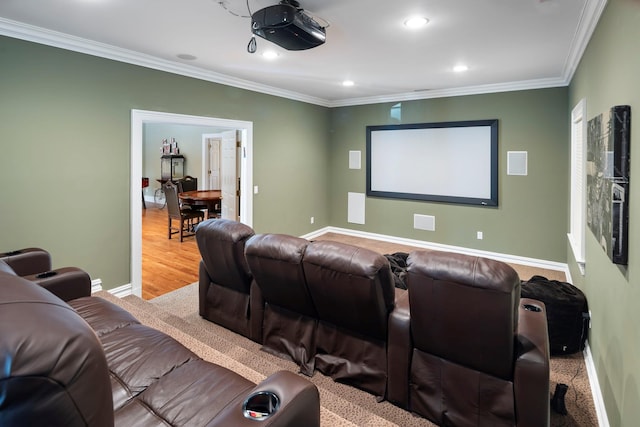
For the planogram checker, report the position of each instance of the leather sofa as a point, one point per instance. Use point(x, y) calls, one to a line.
point(353, 292)
point(27, 261)
point(290, 317)
point(227, 293)
point(460, 328)
point(34, 264)
point(326, 306)
point(467, 350)
point(89, 362)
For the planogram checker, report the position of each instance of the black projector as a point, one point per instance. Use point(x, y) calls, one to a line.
point(287, 26)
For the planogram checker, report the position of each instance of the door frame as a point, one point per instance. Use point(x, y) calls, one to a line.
point(138, 119)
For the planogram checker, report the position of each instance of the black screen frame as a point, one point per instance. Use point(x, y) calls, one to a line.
point(492, 200)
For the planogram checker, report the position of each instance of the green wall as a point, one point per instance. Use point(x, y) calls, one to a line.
point(65, 160)
point(530, 220)
point(608, 75)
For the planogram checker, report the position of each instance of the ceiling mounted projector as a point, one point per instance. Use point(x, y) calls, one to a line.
point(288, 26)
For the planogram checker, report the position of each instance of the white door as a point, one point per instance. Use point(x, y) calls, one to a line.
point(229, 176)
point(213, 145)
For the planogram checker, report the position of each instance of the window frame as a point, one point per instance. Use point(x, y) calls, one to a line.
point(577, 184)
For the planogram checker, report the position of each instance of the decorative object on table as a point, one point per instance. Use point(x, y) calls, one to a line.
point(608, 166)
point(170, 147)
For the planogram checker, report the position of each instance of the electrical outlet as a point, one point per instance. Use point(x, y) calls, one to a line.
point(255, 189)
point(313, 220)
point(479, 235)
point(590, 319)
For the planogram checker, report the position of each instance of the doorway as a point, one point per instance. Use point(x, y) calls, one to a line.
point(222, 154)
point(138, 119)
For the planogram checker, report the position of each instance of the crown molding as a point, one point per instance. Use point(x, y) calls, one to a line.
point(589, 18)
point(57, 39)
point(461, 91)
point(588, 21)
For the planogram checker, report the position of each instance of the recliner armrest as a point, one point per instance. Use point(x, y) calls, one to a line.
point(399, 348)
point(531, 375)
point(299, 404)
point(66, 283)
point(27, 261)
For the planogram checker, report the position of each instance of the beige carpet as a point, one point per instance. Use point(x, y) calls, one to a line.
point(176, 314)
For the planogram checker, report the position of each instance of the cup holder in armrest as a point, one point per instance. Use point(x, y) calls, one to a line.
point(260, 405)
point(531, 307)
point(46, 274)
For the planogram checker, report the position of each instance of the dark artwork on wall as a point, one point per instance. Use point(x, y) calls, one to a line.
point(608, 161)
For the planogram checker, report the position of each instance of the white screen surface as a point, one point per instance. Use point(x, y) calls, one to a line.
point(443, 163)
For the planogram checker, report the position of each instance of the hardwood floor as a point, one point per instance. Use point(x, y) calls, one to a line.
point(166, 264)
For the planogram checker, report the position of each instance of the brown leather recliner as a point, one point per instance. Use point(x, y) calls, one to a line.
point(353, 292)
point(227, 294)
point(54, 370)
point(290, 317)
point(34, 264)
point(468, 351)
point(27, 261)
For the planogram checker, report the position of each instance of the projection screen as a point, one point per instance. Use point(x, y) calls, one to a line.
point(453, 162)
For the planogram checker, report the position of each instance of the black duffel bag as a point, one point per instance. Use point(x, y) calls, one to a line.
point(567, 312)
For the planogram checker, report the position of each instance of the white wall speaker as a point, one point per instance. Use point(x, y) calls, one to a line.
point(355, 208)
point(355, 160)
point(516, 163)
point(424, 222)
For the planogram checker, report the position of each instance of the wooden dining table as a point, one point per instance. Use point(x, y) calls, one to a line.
point(208, 198)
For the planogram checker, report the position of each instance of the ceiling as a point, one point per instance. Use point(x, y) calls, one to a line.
point(506, 44)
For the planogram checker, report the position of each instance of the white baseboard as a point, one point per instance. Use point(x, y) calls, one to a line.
point(96, 285)
point(533, 262)
point(121, 291)
point(319, 232)
point(596, 391)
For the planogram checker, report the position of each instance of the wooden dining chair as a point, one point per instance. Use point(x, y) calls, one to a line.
point(189, 183)
point(188, 218)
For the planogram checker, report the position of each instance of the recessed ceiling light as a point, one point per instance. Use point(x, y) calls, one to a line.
point(186, 57)
point(348, 83)
point(460, 68)
point(416, 22)
point(270, 54)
